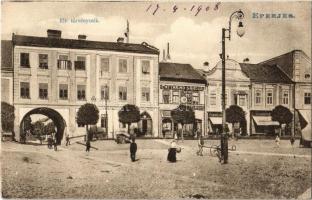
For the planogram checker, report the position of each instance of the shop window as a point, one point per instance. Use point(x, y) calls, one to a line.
point(166, 96)
point(195, 97)
point(176, 96)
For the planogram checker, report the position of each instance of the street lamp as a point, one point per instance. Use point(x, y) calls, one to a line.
point(240, 32)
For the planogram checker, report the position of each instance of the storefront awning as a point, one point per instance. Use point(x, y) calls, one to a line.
point(265, 121)
point(306, 130)
point(216, 120)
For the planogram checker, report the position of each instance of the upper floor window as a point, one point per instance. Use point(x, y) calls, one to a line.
point(24, 86)
point(145, 94)
point(146, 67)
point(195, 98)
point(175, 96)
point(307, 98)
point(242, 100)
point(166, 96)
point(258, 97)
point(43, 61)
point(285, 97)
point(307, 76)
point(81, 92)
point(43, 90)
point(122, 93)
point(213, 98)
point(104, 65)
point(63, 91)
point(24, 60)
point(122, 66)
point(104, 92)
point(80, 63)
point(63, 62)
point(269, 97)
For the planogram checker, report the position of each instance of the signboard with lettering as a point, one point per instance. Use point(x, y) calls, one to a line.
point(180, 87)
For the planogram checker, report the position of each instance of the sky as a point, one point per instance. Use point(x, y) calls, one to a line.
point(194, 37)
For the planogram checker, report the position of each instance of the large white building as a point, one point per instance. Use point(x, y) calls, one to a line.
point(55, 76)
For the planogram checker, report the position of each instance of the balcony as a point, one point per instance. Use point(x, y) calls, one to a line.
point(64, 64)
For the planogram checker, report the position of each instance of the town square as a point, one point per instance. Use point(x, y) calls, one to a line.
point(157, 100)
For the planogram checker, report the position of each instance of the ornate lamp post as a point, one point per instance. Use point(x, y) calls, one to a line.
point(240, 32)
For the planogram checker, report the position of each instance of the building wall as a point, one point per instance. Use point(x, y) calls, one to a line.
point(7, 86)
point(92, 78)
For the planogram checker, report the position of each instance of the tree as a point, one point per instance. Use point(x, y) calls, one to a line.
point(88, 114)
point(234, 114)
point(282, 115)
point(38, 129)
point(7, 117)
point(183, 115)
point(129, 114)
point(49, 128)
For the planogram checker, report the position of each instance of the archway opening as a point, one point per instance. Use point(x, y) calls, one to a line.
point(145, 124)
point(50, 113)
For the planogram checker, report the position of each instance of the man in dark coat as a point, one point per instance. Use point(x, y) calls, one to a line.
point(133, 149)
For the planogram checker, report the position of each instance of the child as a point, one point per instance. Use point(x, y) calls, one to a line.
point(133, 149)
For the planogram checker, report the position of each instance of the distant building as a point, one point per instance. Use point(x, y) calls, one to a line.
point(55, 76)
point(181, 84)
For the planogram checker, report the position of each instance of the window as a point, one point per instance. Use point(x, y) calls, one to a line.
point(285, 97)
point(104, 65)
point(145, 94)
point(104, 121)
point(63, 62)
point(123, 66)
point(25, 90)
point(307, 98)
point(258, 97)
point(195, 98)
point(241, 100)
point(146, 67)
point(122, 93)
point(213, 98)
point(269, 97)
point(81, 92)
point(104, 92)
point(43, 61)
point(43, 90)
point(63, 91)
point(166, 96)
point(24, 60)
point(307, 76)
point(80, 64)
point(175, 96)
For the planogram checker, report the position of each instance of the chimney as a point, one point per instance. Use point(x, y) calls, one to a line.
point(120, 40)
point(164, 55)
point(168, 54)
point(82, 37)
point(54, 33)
point(246, 60)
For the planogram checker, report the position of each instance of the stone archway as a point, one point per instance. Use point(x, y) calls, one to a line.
point(55, 116)
point(145, 124)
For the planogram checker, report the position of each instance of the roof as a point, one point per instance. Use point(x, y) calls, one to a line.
point(6, 55)
point(50, 42)
point(179, 72)
point(264, 73)
point(284, 61)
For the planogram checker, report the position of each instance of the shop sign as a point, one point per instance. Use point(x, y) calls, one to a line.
point(179, 87)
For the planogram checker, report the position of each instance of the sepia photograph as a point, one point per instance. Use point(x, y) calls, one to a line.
point(156, 99)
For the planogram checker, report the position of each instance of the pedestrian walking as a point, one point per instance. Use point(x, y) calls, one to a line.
point(67, 140)
point(88, 146)
point(200, 145)
point(277, 141)
point(133, 149)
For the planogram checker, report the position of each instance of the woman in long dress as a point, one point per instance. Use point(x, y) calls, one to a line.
point(172, 152)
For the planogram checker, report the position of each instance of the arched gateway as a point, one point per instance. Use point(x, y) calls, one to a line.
point(55, 116)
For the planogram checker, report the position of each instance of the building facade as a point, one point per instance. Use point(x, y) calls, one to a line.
point(63, 74)
point(181, 84)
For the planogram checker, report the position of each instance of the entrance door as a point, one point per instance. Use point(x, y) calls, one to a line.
point(144, 126)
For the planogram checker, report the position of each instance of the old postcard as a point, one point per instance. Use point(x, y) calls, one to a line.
point(156, 99)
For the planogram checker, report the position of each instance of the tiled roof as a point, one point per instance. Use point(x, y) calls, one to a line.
point(264, 73)
point(179, 72)
point(6, 55)
point(22, 40)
